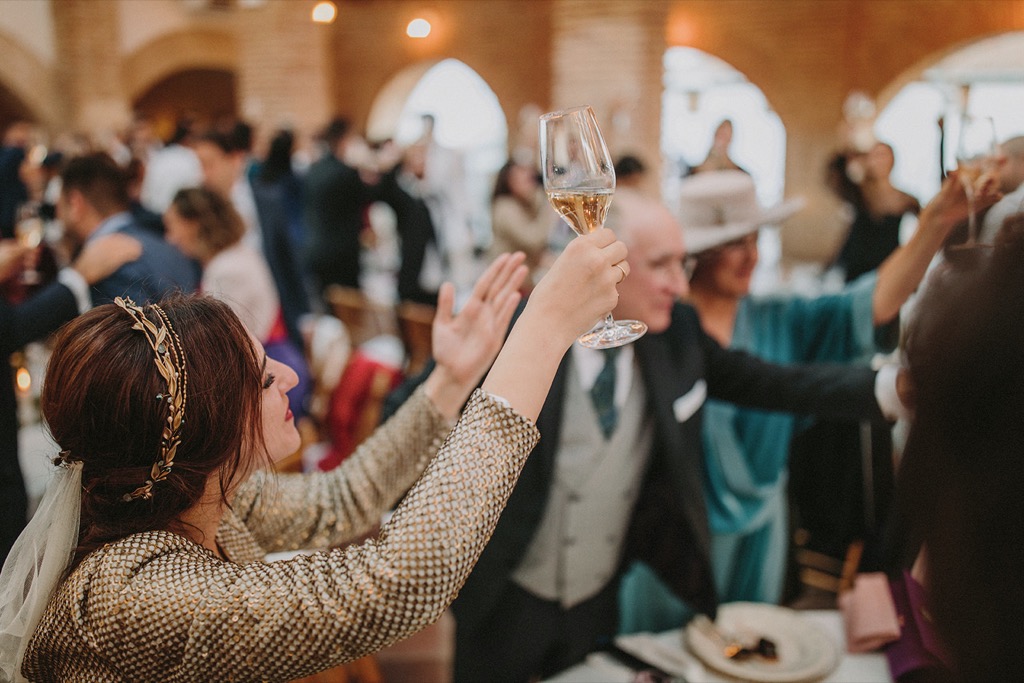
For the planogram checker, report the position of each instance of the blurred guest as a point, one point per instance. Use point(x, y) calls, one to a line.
point(521, 218)
point(205, 227)
point(744, 473)
point(630, 172)
point(276, 170)
point(224, 157)
point(13, 191)
point(94, 202)
point(718, 158)
point(878, 210)
point(420, 269)
point(32, 320)
point(335, 204)
point(169, 169)
point(135, 171)
point(1011, 184)
point(442, 185)
point(962, 475)
point(827, 475)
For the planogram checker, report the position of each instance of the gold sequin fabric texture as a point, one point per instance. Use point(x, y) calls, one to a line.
point(158, 607)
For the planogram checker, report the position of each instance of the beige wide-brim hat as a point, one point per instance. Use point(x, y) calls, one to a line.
point(716, 207)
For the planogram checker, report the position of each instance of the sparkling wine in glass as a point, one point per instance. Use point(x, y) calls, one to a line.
point(580, 180)
point(29, 232)
point(976, 155)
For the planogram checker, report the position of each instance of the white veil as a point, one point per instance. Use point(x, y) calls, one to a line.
point(35, 565)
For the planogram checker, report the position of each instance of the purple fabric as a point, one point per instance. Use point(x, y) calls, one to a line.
point(918, 647)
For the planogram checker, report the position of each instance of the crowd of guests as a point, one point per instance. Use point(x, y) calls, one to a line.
point(676, 505)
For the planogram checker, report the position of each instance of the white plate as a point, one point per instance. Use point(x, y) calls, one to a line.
point(805, 652)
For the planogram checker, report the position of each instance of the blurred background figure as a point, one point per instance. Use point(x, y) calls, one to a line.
point(205, 227)
point(421, 268)
point(93, 203)
point(521, 218)
point(630, 172)
point(877, 209)
point(170, 168)
point(13, 191)
point(224, 157)
point(334, 208)
point(718, 158)
point(1011, 184)
point(276, 171)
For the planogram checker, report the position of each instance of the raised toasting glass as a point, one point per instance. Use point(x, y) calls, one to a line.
point(976, 156)
point(580, 180)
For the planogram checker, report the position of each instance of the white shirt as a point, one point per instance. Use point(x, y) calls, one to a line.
point(589, 363)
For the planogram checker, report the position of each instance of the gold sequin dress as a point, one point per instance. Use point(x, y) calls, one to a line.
point(156, 606)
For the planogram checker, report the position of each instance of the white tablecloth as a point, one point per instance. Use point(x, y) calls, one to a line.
point(601, 668)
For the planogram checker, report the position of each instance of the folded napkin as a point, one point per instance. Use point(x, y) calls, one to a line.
point(869, 613)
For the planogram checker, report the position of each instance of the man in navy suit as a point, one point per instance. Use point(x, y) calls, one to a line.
point(544, 592)
point(94, 202)
point(31, 320)
point(224, 158)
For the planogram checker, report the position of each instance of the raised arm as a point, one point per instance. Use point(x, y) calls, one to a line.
point(343, 604)
point(900, 274)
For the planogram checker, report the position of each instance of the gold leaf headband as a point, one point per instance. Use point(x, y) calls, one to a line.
point(169, 357)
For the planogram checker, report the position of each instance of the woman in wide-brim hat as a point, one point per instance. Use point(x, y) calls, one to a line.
point(746, 451)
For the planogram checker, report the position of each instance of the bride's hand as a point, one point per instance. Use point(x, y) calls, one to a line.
point(580, 287)
point(465, 344)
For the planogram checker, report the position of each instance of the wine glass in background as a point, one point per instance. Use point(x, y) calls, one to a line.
point(580, 180)
point(976, 157)
point(29, 232)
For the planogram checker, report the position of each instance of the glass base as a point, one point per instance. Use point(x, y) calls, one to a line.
point(619, 333)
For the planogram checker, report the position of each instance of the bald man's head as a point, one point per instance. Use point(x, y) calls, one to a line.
point(656, 252)
point(1011, 175)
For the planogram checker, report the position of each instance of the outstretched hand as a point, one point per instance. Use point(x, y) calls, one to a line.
point(950, 205)
point(465, 344)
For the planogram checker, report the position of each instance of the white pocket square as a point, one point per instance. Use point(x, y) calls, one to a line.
point(686, 405)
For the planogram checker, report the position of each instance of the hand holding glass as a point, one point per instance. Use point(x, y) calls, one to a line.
point(580, 180)
point(976, 155)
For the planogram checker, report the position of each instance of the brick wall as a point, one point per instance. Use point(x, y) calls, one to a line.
point(805, 55)
point(88, 66)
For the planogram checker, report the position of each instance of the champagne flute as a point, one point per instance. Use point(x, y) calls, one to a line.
point(29, 232)
point(580, 180)
point(976, 155)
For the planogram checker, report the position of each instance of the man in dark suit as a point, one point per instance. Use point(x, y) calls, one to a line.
point(224, 158)
point(334, 205)
point(31, 320)
point(599, 492)
point(93, 203)
point(400, 188)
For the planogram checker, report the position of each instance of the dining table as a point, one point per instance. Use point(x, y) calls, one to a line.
point(669, 652)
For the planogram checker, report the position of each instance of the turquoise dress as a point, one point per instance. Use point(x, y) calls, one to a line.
point(746, 453)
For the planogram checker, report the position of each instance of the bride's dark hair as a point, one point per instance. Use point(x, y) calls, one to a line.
point(99, 401)
point(962, 474)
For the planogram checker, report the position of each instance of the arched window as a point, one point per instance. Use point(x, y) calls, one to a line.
point(982, 79)
point(700, 92)
point(467, 119)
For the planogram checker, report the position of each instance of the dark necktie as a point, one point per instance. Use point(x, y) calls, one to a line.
point(603, 394)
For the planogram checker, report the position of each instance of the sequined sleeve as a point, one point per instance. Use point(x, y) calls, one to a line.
point(156, 606)
point(316, 510)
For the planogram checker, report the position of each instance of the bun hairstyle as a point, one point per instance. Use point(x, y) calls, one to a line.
point(99, 401)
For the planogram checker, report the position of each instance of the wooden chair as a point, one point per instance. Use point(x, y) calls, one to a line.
point(363, 318)
point(414, 327)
